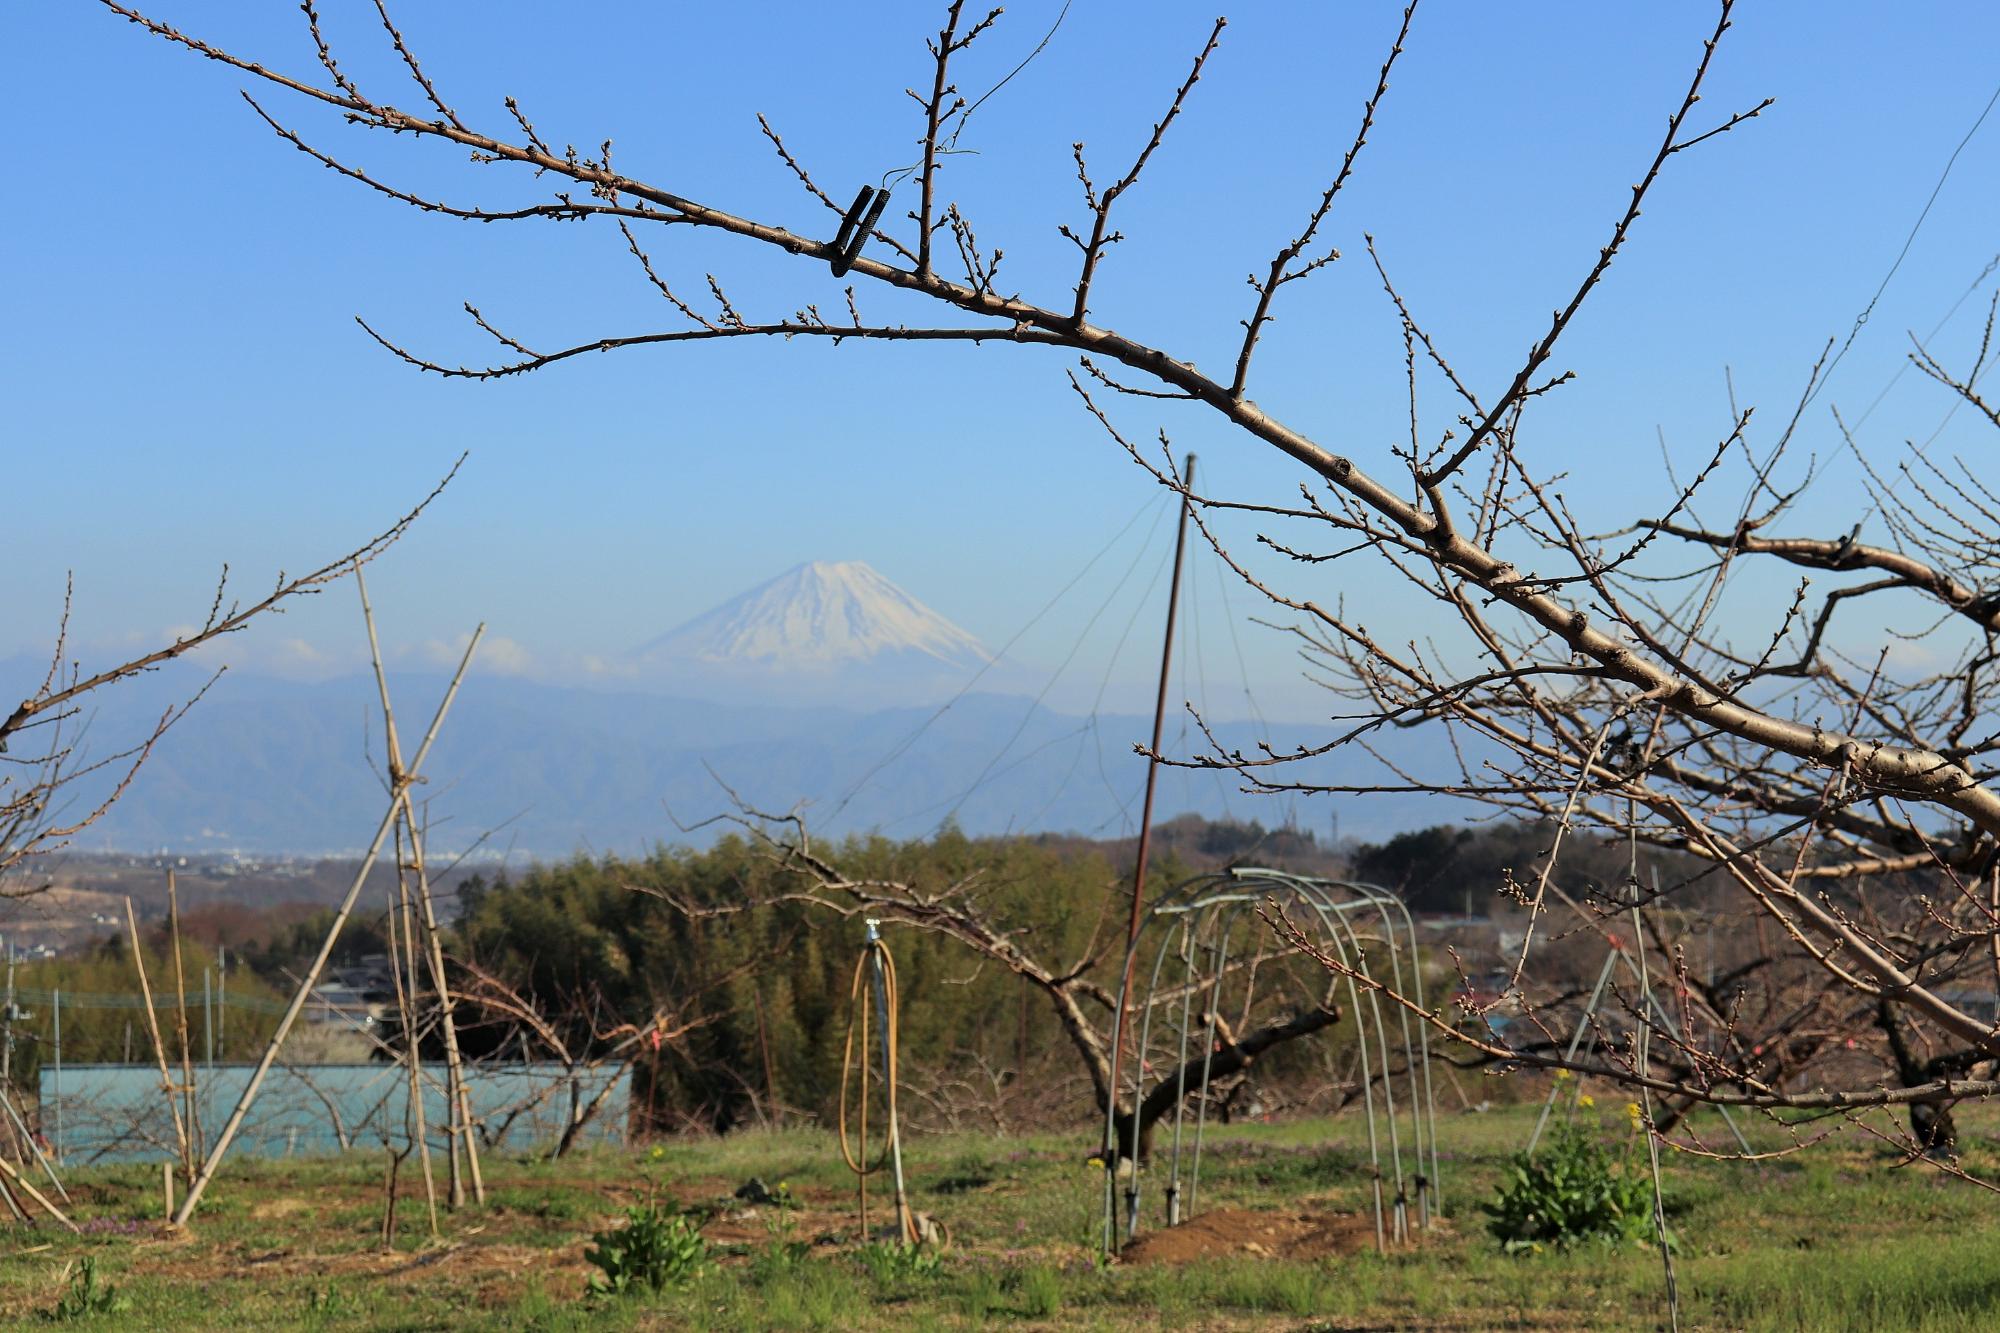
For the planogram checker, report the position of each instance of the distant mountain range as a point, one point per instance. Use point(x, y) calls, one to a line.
point(267, 766)
point(827, 632)
point(817, 615)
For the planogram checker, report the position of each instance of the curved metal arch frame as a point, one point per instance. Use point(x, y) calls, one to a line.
point(1202, 914)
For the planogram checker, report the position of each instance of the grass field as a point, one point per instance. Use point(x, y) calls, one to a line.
point(1834, 1239)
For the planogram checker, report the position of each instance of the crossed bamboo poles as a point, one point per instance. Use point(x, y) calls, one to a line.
point(415, 911)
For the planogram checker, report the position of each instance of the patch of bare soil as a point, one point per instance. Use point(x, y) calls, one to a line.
point(752, 1227)
point(817, 1215)
point(1235, 1232)
point(272, 1209)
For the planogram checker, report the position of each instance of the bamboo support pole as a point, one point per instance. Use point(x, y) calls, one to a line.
point(14, 1205)
point(30, 1148)
point(7, 1040)
point(190, 1113)
point(399, 958)
point(459, 1093)
point(311, 978)
point(153, 1029)
point(26, 1186)
point(458, 1099)
point(55, 1007)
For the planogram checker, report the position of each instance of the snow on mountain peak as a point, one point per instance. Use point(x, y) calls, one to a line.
point(818, 615)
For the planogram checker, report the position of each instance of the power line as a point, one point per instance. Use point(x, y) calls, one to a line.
point(1862, 319)
point(1928, 338)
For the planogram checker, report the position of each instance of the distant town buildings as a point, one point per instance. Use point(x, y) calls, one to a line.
point(356, 996)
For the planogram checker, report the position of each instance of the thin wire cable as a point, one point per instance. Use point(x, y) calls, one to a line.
point(1124, 803)
point(898, 750)
point(1928, 338)
point(1092, 730)
point(1922, 450)
point(1950, 412)
point(1026, 60)
point(1257, 717)
point(1202, 693)
point(1861, 320)
point(1028, 715)
point(1181, 735)
point(951, 145)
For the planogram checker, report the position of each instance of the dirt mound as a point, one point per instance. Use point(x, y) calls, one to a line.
point(1234, 1232)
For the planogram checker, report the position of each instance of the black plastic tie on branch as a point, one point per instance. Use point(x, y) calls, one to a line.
point(855, 228)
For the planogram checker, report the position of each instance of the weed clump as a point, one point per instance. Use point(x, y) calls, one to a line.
point(654, 1247)
point(85, 1297)
point(1578, 1188)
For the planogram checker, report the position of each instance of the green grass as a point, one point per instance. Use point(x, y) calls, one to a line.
point(1837, 1238)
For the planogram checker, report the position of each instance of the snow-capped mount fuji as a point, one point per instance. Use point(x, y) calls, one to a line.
point(833, 630)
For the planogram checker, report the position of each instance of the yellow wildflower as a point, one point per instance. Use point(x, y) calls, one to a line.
point(1632, 1110)
point(1563, 1076)
point(1586, 1101)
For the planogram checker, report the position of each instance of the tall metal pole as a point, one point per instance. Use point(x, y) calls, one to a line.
point(1146, 814)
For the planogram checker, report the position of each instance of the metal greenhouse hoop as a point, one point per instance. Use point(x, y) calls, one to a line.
point(1194, 923)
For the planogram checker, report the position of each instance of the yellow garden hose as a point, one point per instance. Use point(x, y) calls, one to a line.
point(876, 970)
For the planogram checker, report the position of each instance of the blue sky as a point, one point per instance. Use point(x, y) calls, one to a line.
point(188, 385)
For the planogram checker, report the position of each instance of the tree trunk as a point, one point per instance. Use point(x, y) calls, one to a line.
point(1135, 1132)
point(1931, 1124)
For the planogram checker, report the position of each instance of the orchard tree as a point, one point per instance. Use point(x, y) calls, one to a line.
point(1587, 672)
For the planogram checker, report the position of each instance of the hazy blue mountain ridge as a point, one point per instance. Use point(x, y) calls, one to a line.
point(820, 689)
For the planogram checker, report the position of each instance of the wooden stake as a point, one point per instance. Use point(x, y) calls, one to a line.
point(153, 1029)
point(311, 978)
point(167, 1189)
